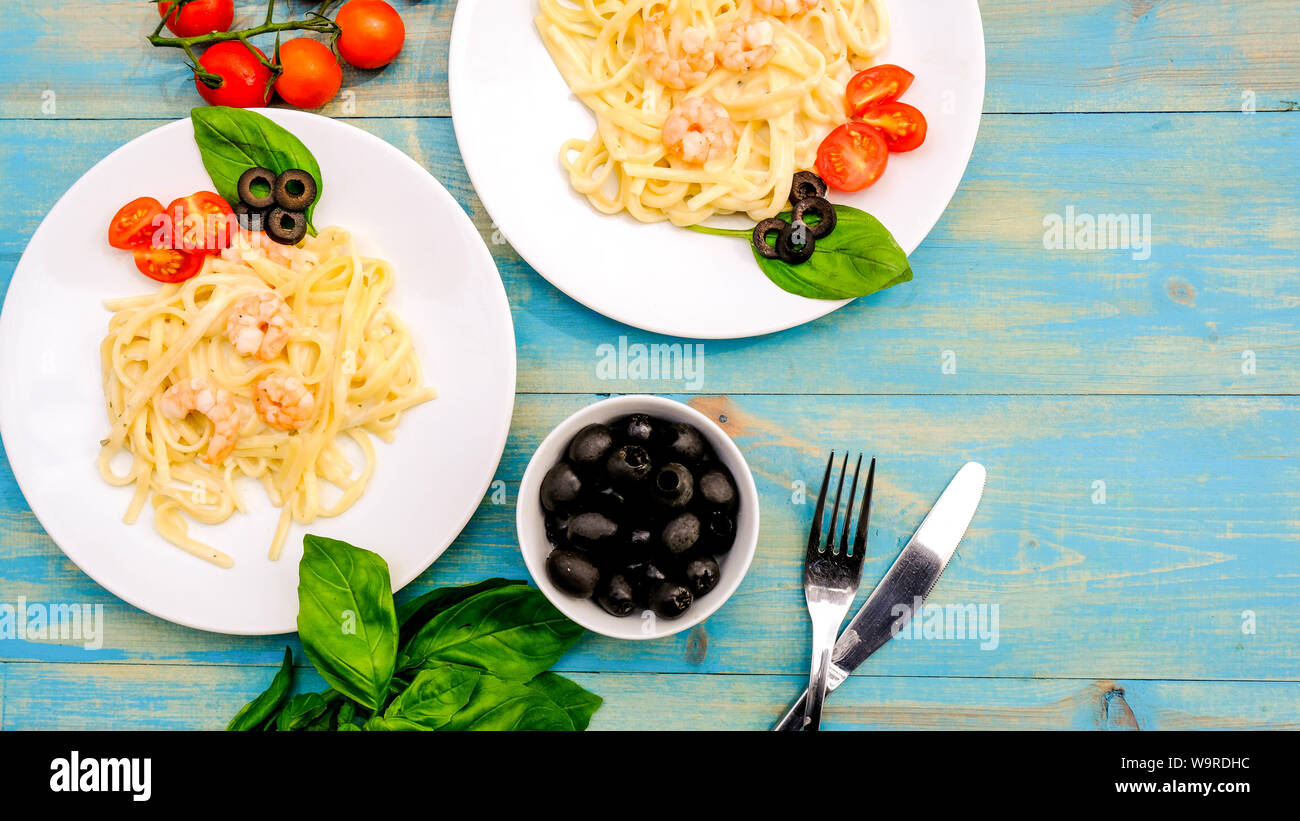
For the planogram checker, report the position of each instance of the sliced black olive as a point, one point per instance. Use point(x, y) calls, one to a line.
point(819, 208)
point(674, 486)
point(572, 572)
point(254, 180)
point(285, 227)
point(295, 190)
point(560, 487)
point(719, 532)
point(670, 599)
point(615, 595)
point(590, 446)
point(717, 490)
point(702, 575)
point(795, 244)
point(774, 225)
point(680, 534)
point(250, 219)
point(628, 465)
point(687, 445)
point(806, 184)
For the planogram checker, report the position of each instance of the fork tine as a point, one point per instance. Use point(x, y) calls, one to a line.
point(848, 509)
point(815, 537)
point(835, 512)
point(860, 538)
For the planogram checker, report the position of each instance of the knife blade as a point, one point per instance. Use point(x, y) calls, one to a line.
point(912, 576)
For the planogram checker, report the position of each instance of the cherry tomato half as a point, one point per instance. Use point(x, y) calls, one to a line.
point(372, 33)
point(132, 226)
point(852, 157)
point(245, 79)
point(901, 124)
point(311, 75)
point(197, 16)
point(167, 264)
point(203, 222)
point(879, 84)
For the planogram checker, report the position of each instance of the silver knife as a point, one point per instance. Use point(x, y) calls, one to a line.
point(912, 576)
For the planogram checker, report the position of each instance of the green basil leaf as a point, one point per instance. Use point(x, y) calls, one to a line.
point(858, 258)
point(346, 618)
point(579, 703)
point(433, 698)
point(302, 710)
point(512, 632)
point(255, 713)
point(413, 614)
point(509, 705)
point(233, 140)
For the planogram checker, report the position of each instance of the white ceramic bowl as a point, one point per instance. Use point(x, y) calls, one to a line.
point(536, 547)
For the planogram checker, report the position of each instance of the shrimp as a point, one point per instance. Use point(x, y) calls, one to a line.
point(217, 404)
point(246, 245)
point(699, 130)
point(284, 402)
point(691, 68)
point(747, 44)
point(259, 325)
point(786, 8)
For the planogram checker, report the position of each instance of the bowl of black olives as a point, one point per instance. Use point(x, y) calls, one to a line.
point(638, 517)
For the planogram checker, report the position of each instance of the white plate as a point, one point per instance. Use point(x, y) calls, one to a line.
point(512, 111)
point(426, 484)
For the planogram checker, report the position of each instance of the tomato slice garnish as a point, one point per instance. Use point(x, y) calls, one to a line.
point(132, 226)
point(202, 222)
point(901, 124)
point(878, 84)
point(168, 264)
point(852, 157)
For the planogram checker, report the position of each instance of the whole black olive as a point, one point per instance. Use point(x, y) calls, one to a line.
point(561, 486)
point(590, 446)
point(795, 244)
point(295, 190)
point(717, 490)
point(670, 599)
point(819, 208)
point(804, 185)
point(680, 534)
point(256, 188)
point(719, 532)
point(702, 575)
point(628, 465)
point(615, 595)
point(609, 502)
point(687, 445)
point(637, 429)
point(592, 531)
point(557, 530)
point(285, 227)
point(674, 486)
point(638, 545)
point(644, 577)
point(572, 572)
point(764, 246)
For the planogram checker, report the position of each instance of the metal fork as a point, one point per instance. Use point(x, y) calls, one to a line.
point(831, 578)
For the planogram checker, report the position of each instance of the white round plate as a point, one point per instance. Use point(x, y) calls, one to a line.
point(512, 111)
point(426, 485)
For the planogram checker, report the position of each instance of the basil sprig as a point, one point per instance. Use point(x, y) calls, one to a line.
point(858, 258)
point(233, 140)
point(457, 658)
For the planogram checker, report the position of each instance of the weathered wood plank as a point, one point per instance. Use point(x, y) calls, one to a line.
point(1016, 317)
point(173, 697)
point(1194, 546)
point(1043, 56)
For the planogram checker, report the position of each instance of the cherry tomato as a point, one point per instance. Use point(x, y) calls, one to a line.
point(879, 84)
point(132, 226)
point(311, 76)
point(203, 222)
point(168, 264)
point(852, 157)
point(901, 124)
point(197, 16)
point(372, 33)
point(245, 80)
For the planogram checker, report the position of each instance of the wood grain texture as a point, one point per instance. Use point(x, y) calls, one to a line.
point(1043, 56)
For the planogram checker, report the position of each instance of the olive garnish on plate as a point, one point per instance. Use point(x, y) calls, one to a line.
point(772, 225)
point(295, 190)
point(276, 204)
point(819, 208)
point(251, 182)
point(285, 227)
point(250, 219)
point(637, 511)
point(804, 185)
point(813, 217)
point(795, 244)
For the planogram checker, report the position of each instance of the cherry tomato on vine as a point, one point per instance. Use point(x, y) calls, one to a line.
point(878, 84)
point(372, 33)
point(902, 125)
point(167, 264)
point(202, 223)
point(197, 16)
point(852, 157)
point(311, 75)
point(132, 226)
point(245, 80)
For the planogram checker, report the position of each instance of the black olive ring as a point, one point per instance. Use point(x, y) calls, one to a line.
point(250, 218)
point(819, 207)
point(276, 228)
point(804, 185)
point(761, 231)
point(787, 247)
point(295, 190)
point(251, 177)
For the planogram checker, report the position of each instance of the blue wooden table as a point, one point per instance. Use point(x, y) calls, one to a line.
point(1138, 415)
